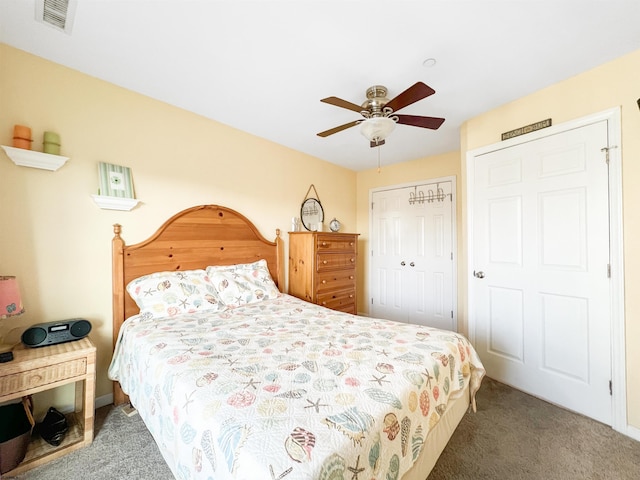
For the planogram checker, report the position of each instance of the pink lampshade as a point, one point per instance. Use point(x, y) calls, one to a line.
point(10, 301)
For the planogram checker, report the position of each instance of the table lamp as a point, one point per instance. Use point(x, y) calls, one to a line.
point(10, 305)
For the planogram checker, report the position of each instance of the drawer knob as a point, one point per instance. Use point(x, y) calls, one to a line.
point(351, 296)
point(324, 303)
point(324, 244)
point(351, 244)
point(324, 262)
point(353, 260)
point(324, 282)
point(350, 277)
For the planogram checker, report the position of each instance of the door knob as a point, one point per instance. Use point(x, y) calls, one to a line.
point(412, 264)
point(402, 263)
point(479, 274)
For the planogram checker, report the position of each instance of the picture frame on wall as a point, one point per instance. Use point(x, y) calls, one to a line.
point(115, 180)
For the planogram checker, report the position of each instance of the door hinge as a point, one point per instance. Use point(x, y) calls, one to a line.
point(608, 270)
point(610, 387)
point(371, 300)
point(451, 255)
point(451, 313)
point(371, 205)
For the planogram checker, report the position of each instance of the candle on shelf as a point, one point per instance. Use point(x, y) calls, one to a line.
point(22, 137)
point(51, 143)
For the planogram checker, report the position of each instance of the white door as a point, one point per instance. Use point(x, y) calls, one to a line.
point(412, 263)
point(541, 258)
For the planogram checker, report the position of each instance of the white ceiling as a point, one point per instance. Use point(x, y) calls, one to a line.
point(263, 66)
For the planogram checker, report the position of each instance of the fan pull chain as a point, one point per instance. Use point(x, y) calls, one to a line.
point(378, 159)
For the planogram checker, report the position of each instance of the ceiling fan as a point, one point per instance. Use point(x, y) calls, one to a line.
point(379, 112)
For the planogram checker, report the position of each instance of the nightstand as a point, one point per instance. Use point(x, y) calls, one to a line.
point(35, 370)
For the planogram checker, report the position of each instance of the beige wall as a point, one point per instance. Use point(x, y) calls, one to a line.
point(611, 85)
point(57, 241)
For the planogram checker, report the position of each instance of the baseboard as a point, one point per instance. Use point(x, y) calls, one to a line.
point(104, 400)
point(633, 432)
point(101, 401)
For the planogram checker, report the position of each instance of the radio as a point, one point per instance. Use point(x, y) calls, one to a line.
point(52, 333)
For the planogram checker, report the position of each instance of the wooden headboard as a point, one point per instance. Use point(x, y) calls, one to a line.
point(194, 238)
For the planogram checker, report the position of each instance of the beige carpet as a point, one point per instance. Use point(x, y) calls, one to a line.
point(512, 436)
point(516, 436)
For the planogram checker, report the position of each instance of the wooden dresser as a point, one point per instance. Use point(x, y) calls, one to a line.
point(322, 269)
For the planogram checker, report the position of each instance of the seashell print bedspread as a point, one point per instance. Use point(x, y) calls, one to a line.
point(284, 389)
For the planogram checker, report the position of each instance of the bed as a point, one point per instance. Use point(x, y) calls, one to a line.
point(237, 380)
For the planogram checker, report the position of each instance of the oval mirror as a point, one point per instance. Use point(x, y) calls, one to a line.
point(312, 214)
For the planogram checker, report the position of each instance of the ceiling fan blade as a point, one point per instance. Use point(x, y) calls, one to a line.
point(326, 133)
point(417, 121)
point(338, 102)
point(410, 95)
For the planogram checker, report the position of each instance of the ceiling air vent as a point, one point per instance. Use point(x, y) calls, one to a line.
point(56, 13)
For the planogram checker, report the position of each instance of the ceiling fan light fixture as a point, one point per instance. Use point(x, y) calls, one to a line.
point(380, 115)
point(376, 129)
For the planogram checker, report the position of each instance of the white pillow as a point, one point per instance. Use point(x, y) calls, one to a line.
point(167, 294)
point(243, 283)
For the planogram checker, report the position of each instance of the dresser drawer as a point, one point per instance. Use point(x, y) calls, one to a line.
point(346, 308)
point(337, 280)
point(42, 376)
point(335, 243)
point(344, 300)
point(333, 261)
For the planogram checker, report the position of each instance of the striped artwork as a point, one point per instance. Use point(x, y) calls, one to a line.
point(115, 181)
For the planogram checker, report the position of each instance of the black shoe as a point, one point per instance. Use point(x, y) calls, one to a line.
point(54, 427)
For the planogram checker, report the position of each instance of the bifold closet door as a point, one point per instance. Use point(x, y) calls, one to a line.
point(412, 255)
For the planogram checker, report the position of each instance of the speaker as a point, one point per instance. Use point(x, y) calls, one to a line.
point(51, 333)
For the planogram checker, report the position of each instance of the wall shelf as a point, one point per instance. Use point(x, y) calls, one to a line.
point(33, 159)
point(115, 203)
